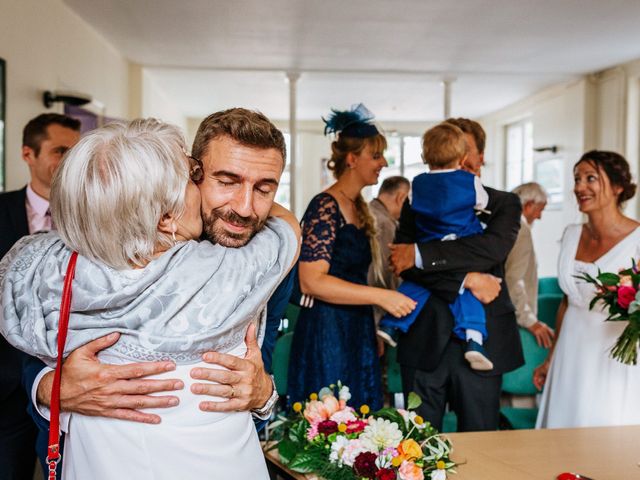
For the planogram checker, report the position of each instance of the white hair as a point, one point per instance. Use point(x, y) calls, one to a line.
point(530, 192)
point(113, 188)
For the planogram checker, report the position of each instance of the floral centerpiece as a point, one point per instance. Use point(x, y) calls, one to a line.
point(619, 294)
point(327, 437)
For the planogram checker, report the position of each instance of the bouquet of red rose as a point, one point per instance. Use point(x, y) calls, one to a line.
point(327, 437)
point(620, 295)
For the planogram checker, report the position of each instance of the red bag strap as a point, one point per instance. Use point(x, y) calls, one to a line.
point(53, 451)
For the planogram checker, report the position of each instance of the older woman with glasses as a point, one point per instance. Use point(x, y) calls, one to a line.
point(124, 201)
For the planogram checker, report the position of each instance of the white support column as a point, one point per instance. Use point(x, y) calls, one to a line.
point(446, 83)
point(292, 78)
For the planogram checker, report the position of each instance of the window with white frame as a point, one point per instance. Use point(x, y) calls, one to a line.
point(518, 153)
point(404, 156)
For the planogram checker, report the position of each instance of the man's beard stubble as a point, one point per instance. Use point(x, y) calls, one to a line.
point(216, 233)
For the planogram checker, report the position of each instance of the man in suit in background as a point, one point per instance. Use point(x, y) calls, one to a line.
point(521, 269)
point(45, 140)
point(431, 358)
point(386, 208)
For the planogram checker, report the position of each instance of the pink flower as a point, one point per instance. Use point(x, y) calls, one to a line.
point(356, 426)
point(626, 295)
point(343, 416)
point(312, 431)
point(410, 471)
point(331, 404)
point(315, 412)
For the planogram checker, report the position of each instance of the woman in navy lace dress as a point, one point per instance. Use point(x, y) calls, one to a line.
point(335, 339)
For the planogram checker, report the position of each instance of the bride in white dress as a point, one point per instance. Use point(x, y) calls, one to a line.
point(583, 385)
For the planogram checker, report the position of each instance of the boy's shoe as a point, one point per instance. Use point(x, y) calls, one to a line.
point(477, 357)
point(387, 337)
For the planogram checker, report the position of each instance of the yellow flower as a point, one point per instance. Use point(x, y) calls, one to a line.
point(364, 409)
point(419, 420)
point(297, 407)
point(313, 396)
point(440, 465)
point(410, 449)
point(397, 461)
point(342, 428)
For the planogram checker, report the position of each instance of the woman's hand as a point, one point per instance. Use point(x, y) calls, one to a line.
point(540, 374)
point(395, 303)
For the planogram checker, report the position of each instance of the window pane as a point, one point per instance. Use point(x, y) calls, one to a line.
point(392, 153)
point(514, 159)
point(412, 150)
point(527, 171)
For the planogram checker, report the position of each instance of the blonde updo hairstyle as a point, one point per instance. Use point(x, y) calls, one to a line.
point(113, 188)
point(340, 149)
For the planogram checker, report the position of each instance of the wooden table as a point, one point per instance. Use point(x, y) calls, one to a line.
point(608, 453)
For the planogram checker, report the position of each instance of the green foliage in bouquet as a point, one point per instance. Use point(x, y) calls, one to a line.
point(327, 437)
point(619, 294)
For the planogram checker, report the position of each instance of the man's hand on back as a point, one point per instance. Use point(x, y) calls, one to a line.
point(116, 391)
point(243, 381)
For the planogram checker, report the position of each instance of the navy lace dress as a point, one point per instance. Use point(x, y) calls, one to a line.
point(335, 342)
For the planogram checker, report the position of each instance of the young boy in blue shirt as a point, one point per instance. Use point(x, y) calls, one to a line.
point(445, 202)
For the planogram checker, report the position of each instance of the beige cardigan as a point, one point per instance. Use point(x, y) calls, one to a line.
point(521, 274)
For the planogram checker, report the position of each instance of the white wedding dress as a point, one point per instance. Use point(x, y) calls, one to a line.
point(585, 387)
point(189, 444)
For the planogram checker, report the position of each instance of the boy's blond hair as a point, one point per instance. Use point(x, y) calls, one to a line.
point(444, 146)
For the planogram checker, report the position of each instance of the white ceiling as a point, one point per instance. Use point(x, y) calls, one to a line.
point(391, 55)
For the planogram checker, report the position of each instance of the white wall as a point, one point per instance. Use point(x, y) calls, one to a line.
point(46, 47)
point(600, 110)
point(156, 103)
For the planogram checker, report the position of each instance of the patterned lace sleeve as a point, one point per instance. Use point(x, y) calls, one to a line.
point(319, 226)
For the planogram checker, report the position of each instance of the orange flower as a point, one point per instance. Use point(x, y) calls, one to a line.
point(315, 412)
point(410, 449)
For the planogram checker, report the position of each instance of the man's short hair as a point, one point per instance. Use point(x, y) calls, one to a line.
point(471, 127)
point(35, 132)
point(391, 185)
point(443, 145)
point(530, 192)
point(247, 127)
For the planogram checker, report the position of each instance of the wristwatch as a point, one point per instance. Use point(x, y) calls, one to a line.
point(264, 412)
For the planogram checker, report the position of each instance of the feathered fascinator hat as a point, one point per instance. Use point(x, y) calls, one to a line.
point(355, 123)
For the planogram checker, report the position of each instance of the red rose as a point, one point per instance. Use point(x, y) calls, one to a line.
point(365, 465)
point(385, 474)
point(327, 427)
point(626, 295)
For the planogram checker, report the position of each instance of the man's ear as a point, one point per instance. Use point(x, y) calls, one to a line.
point(463, 161)
point(167, 224)
point(28, 155)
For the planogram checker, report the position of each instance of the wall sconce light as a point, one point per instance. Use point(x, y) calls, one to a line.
point(66, 97)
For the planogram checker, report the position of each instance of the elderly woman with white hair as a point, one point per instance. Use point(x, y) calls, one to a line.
point(123, 199)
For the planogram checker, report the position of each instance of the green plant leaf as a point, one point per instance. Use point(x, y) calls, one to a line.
point(413, 401)
point(287, 450)
point(609, 279)
point(304, 462)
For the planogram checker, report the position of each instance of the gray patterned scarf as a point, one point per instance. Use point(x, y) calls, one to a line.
point(194, 298)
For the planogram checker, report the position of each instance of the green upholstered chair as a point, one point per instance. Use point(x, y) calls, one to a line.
point(291, 313)
point(548, 285)
point(394, 378)
point(520, 382)
point(280, 363)
point(548, 304)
